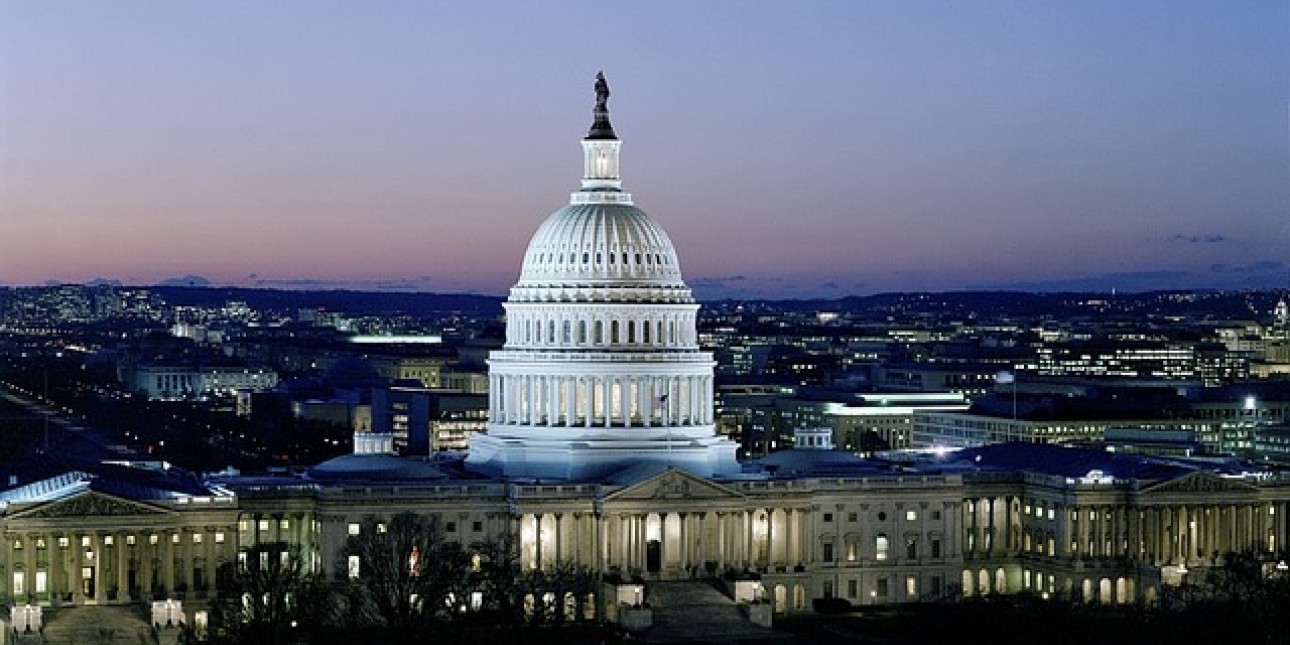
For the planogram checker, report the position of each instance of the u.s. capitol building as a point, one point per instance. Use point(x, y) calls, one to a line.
point(601, 450)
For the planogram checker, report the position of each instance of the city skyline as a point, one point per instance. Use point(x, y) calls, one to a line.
point(814, 151)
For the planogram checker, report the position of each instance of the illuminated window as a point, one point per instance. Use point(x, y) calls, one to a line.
point(174, 538)
point(108, 541)
point(129, 540)
point(881, 546)
point(244, 525)
point(354, 529)
point(353, 566)
point(219, 538)
point(197, 538)
point(152, 539)
point(41, 581)
point(19, 583)
point(85, 541)
point(911, 516)
point(911, 587)
point(284, 524)
point(262, 525)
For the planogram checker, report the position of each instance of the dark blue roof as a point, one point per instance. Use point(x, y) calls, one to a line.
point(1064, 461)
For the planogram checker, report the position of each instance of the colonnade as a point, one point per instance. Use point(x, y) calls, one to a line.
point(1161, 533)
point(603, 327)
point(600, 401)
point(671, 544)
point(90, 566)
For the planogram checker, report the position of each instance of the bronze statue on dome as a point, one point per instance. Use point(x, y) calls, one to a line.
point(602, 93)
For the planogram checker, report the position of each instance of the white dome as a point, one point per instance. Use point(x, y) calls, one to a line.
point(600, 252)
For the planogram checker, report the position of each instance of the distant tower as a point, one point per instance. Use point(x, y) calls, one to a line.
point(601, 369)
point(1281, 315)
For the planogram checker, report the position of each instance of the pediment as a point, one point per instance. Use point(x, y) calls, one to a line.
point(89, 505)
point(1200, 483)
point(674, 484)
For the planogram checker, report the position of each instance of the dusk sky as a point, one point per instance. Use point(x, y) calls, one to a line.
point(790, 149)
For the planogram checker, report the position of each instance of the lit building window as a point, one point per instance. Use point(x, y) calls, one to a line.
point(352, 566)
point(354, 529)
point(881, 546)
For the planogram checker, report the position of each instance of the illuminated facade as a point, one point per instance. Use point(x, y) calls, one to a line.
point(601, 450)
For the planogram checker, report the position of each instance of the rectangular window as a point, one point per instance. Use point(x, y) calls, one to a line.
point(41, 581)
point(353, 528)
point(911, 516)
point(828, 552)
point(63, 543)
point(881, 546)
point(197, 538)
point(911, 549)
point(827, 587)
point(284, 524)
point(450, 527)
point(851, 517)
point(152, 539)
point(851, 589)
point(241, 559)
point(936, 548)
point(882, 588)
point(219, 538)
point(263, 525)
point(244, 525)
point(108, 540)
point(936, 515)
point(174, 539)
point(129, 540)
point(911, 587)
point(85, 541)
point(828, 517)
point(935, 586)
point(476, 526)
point(19, 583)
point(353, 566)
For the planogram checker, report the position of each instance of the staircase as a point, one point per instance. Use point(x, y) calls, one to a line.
point(95, 626)
point(685, 611)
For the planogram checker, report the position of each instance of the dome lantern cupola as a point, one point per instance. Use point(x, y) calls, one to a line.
point(601, 182)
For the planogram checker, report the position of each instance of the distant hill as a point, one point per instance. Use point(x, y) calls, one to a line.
point(350, 302)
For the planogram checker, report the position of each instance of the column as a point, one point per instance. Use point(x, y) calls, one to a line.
point(57, 568)
point(559, 538)
point(641, 560)
point(168, 563)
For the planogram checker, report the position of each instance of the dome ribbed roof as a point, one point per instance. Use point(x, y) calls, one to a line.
point(601, 252)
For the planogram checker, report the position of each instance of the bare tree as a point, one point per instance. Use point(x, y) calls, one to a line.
point(270, 597)
point(410, 578)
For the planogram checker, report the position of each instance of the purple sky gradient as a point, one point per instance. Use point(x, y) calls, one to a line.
point(789, 149)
